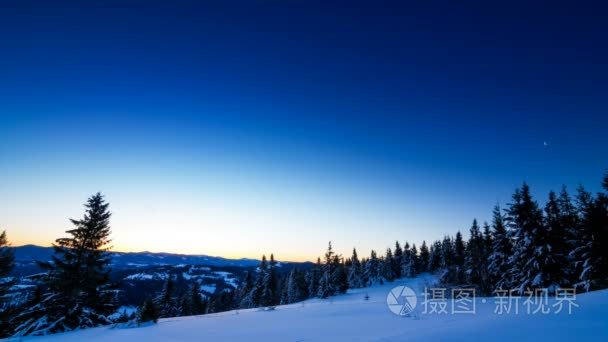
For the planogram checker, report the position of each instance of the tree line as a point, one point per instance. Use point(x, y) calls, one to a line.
point(525, 247)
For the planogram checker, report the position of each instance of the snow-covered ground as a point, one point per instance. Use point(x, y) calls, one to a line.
point(352, 318)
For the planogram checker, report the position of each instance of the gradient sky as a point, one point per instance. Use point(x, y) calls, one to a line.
point(238, 128)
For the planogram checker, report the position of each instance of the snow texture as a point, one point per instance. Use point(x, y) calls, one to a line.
point(351, 317)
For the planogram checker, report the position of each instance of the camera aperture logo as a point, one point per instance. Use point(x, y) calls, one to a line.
point(401, 300)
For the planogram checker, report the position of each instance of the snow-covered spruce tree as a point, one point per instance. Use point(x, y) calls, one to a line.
point(355, 273)
point(486, 286)
point(253, 298)
point(435, 257)
point(581, 236)
point(405, 260)
point(593, 230)
point(387, 266)
point(454, 257)
point(283, 290)
point(379, 266)
point(415, 259)
point(222, 301)
point(364, 279)
point(499, 267)
point(599, 276)
point(147, 312)
point(371, 269)
point(423, 260)
point(242, 292)
point(531, 247)
point(555, 266)
point(474, 262)
point(297, 290)
point(7, 261)
point(487, 240)
point(184, 308)
point(324, 286)
point(165, 301)
point(339, 276)
point(291, 289)
point(270, 287)
point(569, 221)
point(447, 253)
point(408, 263)
point(397, 255)
point(459, 251)
point(77, 278)
point(312, 279)
point(334, 278)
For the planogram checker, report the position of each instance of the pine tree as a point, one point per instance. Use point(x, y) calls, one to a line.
point(326, 283)
point(570, 223)
point(364, 278)
point(387, 266)
point(459, 250)
point(486, 286)
point(270, 293)
point(296, 287)
point(415, 259)
point(487, 241)
point(555, 256)
point(339, 276)
point(242, 295)
point(453, 260)
point(397, 256)
point(7, 259)
point(324, 286)
point(313, 276)
point(459, 255)
point(7, 256)
point(408, 262)
point(284, 283)
point(447, 253)
point(165, 300)
point(371, 269)
point(222, 301)
point(355, 277)
point(147, 312)
point(77, 278)
point(435, 257)
point(184, 308)
point(499, 267)
point(530, 244)
point(424, 258)
point(593, 233)
point(254, 298)
point(474, 256)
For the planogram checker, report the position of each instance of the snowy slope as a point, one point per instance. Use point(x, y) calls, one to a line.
point(351, 318)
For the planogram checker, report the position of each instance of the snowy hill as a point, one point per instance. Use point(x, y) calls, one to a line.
point(137, 275)
point(351, 317)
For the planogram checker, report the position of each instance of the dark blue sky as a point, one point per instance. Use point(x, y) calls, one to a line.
point(394, 111)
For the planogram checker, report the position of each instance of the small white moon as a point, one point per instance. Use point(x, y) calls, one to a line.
point(545, 144)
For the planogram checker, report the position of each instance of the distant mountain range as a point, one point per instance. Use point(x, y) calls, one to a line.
point(139, 274)
point(26, 256)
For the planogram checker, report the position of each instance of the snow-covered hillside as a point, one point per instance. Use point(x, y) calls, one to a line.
point(351, 317)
